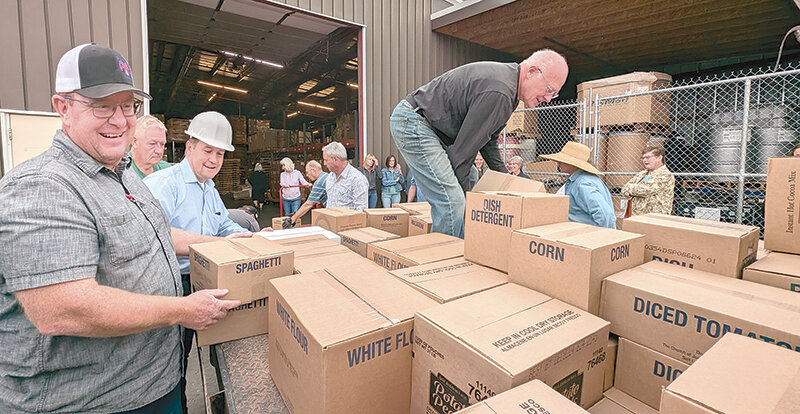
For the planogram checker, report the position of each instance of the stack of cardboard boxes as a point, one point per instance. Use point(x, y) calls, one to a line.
point(243, 266)
point(526, 307)
point(419, 217)
point(780, 267)
point(176, 128)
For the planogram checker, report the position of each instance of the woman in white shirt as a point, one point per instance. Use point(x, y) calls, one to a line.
point(290, 194)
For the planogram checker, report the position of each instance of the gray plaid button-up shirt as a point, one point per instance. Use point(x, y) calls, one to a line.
point(65, 217)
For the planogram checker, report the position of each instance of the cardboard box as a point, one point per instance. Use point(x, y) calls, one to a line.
point(531, 397)
point(620, 207)
point(721, 248)
point(762, 252)
point(617, 402)
point(450, 279)
point(776, 269)
point(320, 259)
point(737, 375)
point(338, 219)
point(393, 220)
point(420, 224)
point(642, 372)
point(307, 242)
point(415, 208)
point(296, 232)
point(243, 266)
point(491, 217)
point(623, 110)
point(782, 206)
point(682, 312)
point(341, 340)
point(569, 261)
point(523, 123)
point(611, 352)
point(358, 239)
point(497, 181)
point(281, 223)
point(415, 250)
point(244, 321)
point(315, 252)
point(495, 340)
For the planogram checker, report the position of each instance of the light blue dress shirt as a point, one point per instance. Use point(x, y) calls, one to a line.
point(190, 205)
point(589, 200)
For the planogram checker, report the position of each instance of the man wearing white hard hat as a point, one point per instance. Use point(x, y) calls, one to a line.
point(187, 193)
point(589, 198)
point(91, 289)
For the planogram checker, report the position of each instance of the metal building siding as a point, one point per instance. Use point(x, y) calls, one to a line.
point(401, 54)
point(35, 34)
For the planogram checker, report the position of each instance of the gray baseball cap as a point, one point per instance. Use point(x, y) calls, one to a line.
point(95, 72)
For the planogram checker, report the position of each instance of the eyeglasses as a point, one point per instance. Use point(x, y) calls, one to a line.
point(105, 111)
point(553, 94)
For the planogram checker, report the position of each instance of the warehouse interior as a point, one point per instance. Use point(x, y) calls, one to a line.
point(287, 80)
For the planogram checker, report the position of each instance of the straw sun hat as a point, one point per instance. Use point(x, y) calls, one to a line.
point(575, 154)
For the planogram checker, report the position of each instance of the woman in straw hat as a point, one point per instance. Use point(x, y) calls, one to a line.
point(589, 199)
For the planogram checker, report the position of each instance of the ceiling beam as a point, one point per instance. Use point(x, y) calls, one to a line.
point(179, 78)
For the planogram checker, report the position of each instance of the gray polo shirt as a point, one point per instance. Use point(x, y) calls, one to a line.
point(65, 217)
point(468, 107)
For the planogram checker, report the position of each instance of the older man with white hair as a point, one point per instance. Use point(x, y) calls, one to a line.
point(346, 186)
point(147, 146)
point(318, 195)
point(440, 127)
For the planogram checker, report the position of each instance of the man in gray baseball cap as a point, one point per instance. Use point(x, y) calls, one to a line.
point(91, 303)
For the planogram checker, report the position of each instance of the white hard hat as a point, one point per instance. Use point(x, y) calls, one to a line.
point(213, 129)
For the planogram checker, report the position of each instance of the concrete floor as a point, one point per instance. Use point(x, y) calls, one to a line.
point(194, 386)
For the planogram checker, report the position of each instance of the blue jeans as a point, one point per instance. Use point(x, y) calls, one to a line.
point(291, 206)
point(168, 404)
point(388, 199)
point(373, 199)
point(433, 173)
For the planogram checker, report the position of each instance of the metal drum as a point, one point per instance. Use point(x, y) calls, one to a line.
point(768, 143)
point(527, 148)
point(725, 152)
point(511, 146)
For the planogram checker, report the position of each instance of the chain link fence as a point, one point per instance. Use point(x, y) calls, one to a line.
point(717, 133)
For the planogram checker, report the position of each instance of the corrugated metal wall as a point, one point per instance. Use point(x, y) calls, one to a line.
point(401, 51)
point(35, 33)
point(401, 54)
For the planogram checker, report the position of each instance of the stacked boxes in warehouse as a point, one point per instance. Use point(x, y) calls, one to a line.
point(622, 127)
point(717, 133)
point(254, 142)
point(529, 306)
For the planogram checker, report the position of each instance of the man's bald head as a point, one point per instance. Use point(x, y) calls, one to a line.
point(541, 76)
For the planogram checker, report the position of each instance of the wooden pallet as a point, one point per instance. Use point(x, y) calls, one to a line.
point(709, 184)
point(639, 127)
point(723, 185)
point(755, 185)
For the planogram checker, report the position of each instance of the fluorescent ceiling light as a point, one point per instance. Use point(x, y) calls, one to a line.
point(251, 59)
point(352, 85)
point(212, 97)
point(295, 113)
point(327, 108)
point(216, 85)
